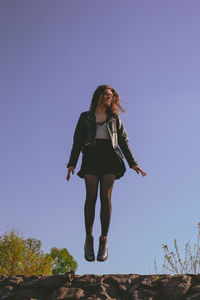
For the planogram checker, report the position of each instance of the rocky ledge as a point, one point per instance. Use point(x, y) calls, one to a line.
point(116, 286)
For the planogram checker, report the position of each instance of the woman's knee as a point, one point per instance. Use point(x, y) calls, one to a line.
point(90, 200)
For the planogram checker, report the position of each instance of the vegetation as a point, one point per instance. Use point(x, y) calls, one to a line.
point(62, 261)
point(19, 256)
point(190, 264)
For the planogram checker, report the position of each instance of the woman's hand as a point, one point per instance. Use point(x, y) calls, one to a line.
point(139, 170)
point(70, 170)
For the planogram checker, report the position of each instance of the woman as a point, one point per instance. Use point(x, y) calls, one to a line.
point(99, 134)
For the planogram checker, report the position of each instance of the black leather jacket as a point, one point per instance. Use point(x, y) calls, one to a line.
point(85, 133)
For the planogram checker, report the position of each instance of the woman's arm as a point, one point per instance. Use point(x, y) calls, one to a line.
point(124, 146)
point(78, 140)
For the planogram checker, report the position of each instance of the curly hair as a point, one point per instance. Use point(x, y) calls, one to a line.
point(98, 93)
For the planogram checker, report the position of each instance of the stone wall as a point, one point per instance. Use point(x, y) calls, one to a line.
point(116, 286)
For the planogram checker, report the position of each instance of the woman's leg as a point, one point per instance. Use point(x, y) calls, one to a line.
point(91, 184)
point(106, 186)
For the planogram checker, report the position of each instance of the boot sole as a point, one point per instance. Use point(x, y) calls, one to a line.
point(90, 260)
point(102, 259)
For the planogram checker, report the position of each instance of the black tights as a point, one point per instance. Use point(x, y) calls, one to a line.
point(106, 186)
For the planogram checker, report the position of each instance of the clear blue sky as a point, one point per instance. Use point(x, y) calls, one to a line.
point(53, 56)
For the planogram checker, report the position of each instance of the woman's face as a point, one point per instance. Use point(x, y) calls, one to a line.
point(107, 98)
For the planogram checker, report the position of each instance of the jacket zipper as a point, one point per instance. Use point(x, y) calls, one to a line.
point(95, 134)
point(109, 133)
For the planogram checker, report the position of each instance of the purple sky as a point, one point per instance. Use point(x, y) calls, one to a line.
point(53, 56)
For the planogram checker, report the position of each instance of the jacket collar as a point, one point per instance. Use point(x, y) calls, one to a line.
point(91, 116)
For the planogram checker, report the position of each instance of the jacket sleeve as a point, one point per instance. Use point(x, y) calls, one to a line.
point(124, 144)
point(78, 140)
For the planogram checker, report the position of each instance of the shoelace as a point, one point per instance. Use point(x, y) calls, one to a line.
point(90, 245)
point(102, 245)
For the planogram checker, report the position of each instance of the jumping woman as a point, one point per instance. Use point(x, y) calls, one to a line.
point(101, 137)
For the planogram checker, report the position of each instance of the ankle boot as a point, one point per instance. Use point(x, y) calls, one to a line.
point(89, 248)
point(103, 249)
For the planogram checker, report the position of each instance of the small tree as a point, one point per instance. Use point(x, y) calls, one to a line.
point(62, 261)
point(12, 248)
point(173, 262)
point(22, 257)
point(19, 256)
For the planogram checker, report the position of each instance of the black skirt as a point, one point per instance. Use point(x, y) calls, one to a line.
point(100, 160)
